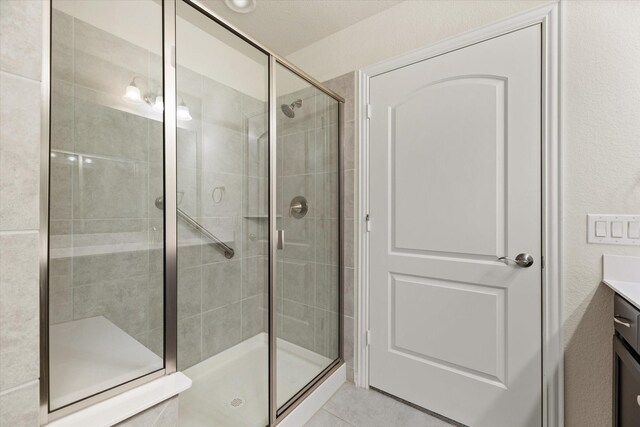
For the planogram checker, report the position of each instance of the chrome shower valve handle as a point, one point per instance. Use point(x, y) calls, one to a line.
point(524, 260)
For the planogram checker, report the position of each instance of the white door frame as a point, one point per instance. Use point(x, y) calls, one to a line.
point(552, 343)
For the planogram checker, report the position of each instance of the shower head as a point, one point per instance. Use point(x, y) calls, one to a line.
point(287, 109)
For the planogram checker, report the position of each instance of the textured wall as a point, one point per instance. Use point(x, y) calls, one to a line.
point(601, 133)
point(20, 76)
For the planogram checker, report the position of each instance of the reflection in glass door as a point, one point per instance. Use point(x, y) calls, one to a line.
point(307, 284)
point(105, 261)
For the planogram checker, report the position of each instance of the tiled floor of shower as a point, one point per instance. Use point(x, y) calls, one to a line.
point(230, 388)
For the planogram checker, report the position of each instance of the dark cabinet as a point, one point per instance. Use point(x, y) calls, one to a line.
point(626, 385)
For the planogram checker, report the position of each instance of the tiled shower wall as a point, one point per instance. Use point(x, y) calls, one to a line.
point(220, 301)
point(345, 86)
point(20, 77)
point(106, 170)
point(20, 74)
point(308, 266)
point(222, 176)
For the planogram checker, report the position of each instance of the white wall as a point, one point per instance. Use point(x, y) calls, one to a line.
point(601, 142)
point(601, 139)
point(409, 25)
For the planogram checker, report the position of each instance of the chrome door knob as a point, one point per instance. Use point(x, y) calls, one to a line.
point(523, 260)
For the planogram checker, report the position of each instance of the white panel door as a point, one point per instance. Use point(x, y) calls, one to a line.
point(455, 146)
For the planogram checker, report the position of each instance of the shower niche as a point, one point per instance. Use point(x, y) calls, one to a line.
point(194, 215)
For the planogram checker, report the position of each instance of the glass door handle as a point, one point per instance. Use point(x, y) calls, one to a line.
point(280, 238)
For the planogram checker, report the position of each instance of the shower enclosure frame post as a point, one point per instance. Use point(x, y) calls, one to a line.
point(273, 244)
point(45, 159)
point(170, 186)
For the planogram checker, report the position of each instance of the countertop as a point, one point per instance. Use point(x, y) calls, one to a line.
point(622, 274)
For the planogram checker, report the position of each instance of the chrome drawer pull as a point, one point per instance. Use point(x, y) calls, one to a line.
point(638, 399)
point(622, 321)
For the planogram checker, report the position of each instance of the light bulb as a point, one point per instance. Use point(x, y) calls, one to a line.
point(241, 6)
point(132, 94)
point(183, 113)
point(88, 161)
point(71, 158)
point(158, 105)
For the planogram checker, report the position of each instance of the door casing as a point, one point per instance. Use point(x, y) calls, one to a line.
point(552, 341)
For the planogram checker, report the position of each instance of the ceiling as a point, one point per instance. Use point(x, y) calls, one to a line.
point(286, 26)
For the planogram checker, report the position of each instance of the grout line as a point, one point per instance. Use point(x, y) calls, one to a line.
point(13, 232)
point(334, 414)
point(21, 77)
point(19, 387)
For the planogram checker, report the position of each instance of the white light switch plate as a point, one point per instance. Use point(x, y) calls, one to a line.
point(624, 226)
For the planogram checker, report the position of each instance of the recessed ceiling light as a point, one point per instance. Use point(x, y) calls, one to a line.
point(241, 6)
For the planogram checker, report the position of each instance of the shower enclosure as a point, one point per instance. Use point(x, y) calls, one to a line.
point(194, 215)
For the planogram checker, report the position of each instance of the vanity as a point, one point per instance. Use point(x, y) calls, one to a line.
point(622, 274)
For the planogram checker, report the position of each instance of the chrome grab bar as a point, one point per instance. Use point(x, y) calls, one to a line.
point(222, 246)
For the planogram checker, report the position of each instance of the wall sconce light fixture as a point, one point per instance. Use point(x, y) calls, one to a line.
point(183, 111)
point(133, 95)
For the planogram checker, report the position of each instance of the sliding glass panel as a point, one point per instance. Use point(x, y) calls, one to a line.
point(307, 288)
point(222, 224)
point(106, 309)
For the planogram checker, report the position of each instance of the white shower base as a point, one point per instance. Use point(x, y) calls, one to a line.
point(231, 388)
point(91, 355)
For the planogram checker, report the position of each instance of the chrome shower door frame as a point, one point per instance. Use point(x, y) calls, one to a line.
point(170, 218)
point(275, 414)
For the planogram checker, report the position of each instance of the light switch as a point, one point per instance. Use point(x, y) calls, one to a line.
point(616, 229)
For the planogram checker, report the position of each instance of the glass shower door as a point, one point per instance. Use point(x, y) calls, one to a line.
point(308, 259)
point(222, 185)
point(105, 294)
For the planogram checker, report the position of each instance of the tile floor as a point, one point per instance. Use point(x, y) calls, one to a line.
point(351, 407)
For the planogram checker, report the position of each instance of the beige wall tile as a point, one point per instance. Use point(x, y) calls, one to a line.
point(21, 37)
point(19, 309)
point(299, 281)
point(20, 406)
point(221, 284)
point(19, 152)
point(189, 341)
point(254, 316)
point(221, 329)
